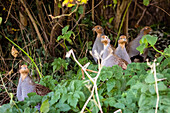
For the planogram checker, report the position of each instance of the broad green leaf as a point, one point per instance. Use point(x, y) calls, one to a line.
point(110, 84)
point(45, 106)
point(146, 2)
point(151, 39)
point(64, 30)
point(72, 101)
point(141, 48)
point(142, 101)
point(27, 110)
point(150, 78)
point(152, 88)
point(167, 51)
point(82, 96)
point(55, 98)
point(63, 107)
point(63, 98)
point(144, 88)
point(161, 86)
point(119, 105)
point(60, 37)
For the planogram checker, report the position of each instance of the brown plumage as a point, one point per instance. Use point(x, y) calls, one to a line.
point(131, 47)
point(121, 50)
point(98, 46)
point(109, 58)
point(26, 85)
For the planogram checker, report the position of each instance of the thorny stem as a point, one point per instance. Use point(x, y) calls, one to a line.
point(153, 68)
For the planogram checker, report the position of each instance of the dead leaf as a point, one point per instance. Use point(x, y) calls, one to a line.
point(14, 52)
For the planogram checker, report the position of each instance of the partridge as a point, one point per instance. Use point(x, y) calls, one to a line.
point(109, 58)
point(121, 50)
point(131, 47)
point(98, 46)
point(26, 85)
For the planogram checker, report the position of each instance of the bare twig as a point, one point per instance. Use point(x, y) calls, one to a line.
point(93, 80)
point(153, 70)
point(9, 11)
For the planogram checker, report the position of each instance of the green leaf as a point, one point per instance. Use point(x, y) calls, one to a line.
point(63, 107)
point(72, 101)
point(151, 39)
point(55, 98)
point(141, 47)
point(27, 110)
point(162, 86)
point(45, 106)
point(152, 88)
point(111, 19)
point(60, 37)
point(0, 20)
point(110, 84)
point(146, 2)
point(142, 101)
point(80, 10)
point(119, 105)
point(150, 78)
point(64, 30)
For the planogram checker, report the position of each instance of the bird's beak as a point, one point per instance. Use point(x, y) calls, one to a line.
point(23, 68)
point(124, 39)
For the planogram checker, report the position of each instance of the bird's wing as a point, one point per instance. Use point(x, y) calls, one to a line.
point(42, 90)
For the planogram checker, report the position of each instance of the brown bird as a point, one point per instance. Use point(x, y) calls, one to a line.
point(26, 85)
point(131, 47)
point(109, 58)
point(121, 50)
point(98, 46)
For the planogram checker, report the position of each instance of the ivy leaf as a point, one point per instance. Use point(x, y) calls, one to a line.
point(45, 106)
point(119, 105)
point(151, 39)
point(146, 2)
point(150, 78)
point(141, 47)
point(161, 86)
point(64, 30)
point(110, 84)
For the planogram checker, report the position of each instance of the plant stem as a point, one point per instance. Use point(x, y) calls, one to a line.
point(122, 22)
point(25, 54)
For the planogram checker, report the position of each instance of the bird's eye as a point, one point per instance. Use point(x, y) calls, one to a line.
point(98, 27)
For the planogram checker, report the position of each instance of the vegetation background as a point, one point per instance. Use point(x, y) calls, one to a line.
point(47, 29)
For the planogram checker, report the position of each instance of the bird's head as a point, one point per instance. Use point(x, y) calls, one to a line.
point(146, 30)
point(105, 40)
point(24, 71)
point(122, 39)
point(98, 29)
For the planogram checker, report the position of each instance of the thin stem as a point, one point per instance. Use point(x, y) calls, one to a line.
point(25, 54)
point(122, 23)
